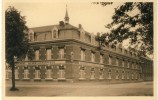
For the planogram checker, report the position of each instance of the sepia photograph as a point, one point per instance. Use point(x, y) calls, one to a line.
point(79, 49)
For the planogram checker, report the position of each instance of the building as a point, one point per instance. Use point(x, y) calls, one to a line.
point(67, 53)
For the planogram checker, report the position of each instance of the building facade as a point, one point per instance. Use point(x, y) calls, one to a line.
point(67, 53)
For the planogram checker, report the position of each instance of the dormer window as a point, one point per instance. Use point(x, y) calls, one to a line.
point(31, 35)
point(54, 33)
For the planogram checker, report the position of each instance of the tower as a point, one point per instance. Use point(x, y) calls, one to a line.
point(66, 16)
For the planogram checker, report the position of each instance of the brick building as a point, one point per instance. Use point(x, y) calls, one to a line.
point(65, 52)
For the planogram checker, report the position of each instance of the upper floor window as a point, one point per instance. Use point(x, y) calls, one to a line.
point(128, 64)
point(31, 36)
point(36, 54)
point(109, 74)
point(48, 54)
point(117, 61)
point(61, 53)
point(110, 61)
point(82, 54)
point(123, 63)
point(93, 57)
point(101, 59)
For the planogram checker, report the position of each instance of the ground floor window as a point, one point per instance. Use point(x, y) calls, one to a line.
point(92, 73)
point(82, 73)
point(123, 75)
point(16, 73)
point(109, 74)
point(127, 75)
point(7, 73)
point(61, 72)
point(37, 73)
point(26, 73)
point(117, 75)
point(48, 72)
point(101, 73)
point(136, 76)
point(132, 76)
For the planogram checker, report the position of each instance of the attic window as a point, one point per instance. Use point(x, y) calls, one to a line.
point(54, 34)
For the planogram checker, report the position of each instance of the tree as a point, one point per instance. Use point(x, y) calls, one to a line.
point(133, 21)
point(15, 39)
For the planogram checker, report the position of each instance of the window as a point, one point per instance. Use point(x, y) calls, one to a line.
point(127, 75)
point(26, 73)
point(61, 72)
point(132, 76)
point(101, 73)
point(31, 36)
point(110, 62)
point(61, 53)
point(123, 63)
point(101, 59)
point(48, 54)
point(128, 64)
point(82, 54)
point(37, 73)
point(117, 74)
point(123, 75)
point(117, 61)
point(48, 73)
point(136, 75)
point(16, 73)
point(54, 34)
point(36, 54)
point(109, 74)
point(93, 57)
point(92, 73)
point(82, 73)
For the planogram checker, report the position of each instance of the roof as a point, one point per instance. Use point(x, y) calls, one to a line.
point(49, 28)
point(146, 57)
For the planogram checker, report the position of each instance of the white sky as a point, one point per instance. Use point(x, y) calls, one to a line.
point(92, 17)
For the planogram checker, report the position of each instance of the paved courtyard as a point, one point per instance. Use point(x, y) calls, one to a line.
point(80, 89)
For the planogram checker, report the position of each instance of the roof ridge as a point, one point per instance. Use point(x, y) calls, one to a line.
point(44, 26)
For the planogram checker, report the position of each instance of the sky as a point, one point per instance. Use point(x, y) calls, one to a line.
point(93, 18)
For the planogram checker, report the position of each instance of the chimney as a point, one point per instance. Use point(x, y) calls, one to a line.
point(79, 26)
point(61, 23)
